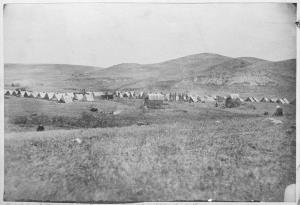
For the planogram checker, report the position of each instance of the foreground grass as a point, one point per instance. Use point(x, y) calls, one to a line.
point(228, 160)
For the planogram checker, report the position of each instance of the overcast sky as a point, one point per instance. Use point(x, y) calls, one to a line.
point(107, 34)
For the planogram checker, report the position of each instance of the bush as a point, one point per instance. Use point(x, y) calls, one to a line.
point(231, 103)
point(86, 120)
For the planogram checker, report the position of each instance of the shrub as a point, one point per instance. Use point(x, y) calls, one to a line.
point(230, 102)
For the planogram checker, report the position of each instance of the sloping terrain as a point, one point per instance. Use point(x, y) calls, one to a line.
point(202, 159)
point(200, 72)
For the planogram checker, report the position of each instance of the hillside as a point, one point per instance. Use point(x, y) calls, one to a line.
point(203, 72)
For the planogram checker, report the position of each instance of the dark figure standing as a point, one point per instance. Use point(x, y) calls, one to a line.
point(279, 111)
point(40, 128)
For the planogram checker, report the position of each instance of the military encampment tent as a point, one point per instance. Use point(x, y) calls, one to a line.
point(41, 95)
point(249, 99)
point(56, 97)
point(49, 96)
point(280, 101)
point(132, 94)
point(15, 93)
point(286, 100)
point(27, 94)
point(8, 92)
point(21, 94)
point(126, 94)
point(78, 96)
point(65, 99)
point(34, 95)
point(265, 99)
point(192, 98)
point(255, 99)
point(88, 98)
point(273, 100)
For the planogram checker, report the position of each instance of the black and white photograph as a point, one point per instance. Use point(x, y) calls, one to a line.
point(149, 102)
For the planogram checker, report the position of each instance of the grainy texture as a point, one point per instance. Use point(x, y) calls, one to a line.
point(191, 152)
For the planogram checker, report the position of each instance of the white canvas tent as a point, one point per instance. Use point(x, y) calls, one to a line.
point(21, 94)
point(49, 96)
point(34, 94)
point(265, 99)
point(56, 97)
point(8, 92)
point(41, 95)
point(192, 98)
point(27, 94)
point(250, 99)
point(78, 96)
point(255, 99)
point(15, 93)
point(286, 100)
point(65, 99)
point(88, 98)
point(273, 100)
point(280, 101)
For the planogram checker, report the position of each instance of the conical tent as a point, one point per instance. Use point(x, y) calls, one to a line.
point(280, 101)
point(15, 93)
point(27, 94)
point(65, 99)
point(34, 95)
point(8, 92)
point(265, 99)
point(21, 94)
point(286, 100)
point(88, 98)
point(192, 98)
point(49, 96)
point(56, 97)
point(273, 100)
point(250, 99)
point(255, 99)
point(41, 95)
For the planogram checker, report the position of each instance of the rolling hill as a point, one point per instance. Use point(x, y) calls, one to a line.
point(205, 72)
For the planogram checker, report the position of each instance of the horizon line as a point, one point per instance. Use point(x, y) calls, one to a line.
point(7, 63)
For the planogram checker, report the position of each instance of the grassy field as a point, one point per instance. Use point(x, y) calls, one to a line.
point(187, 152)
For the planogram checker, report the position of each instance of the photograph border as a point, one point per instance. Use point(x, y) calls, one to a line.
point(3, 2)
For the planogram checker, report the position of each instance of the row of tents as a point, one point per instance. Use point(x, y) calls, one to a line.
point(218, 98)
point(58, 97)
point(89, 96)
point(268, 100)
point(184, 97)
